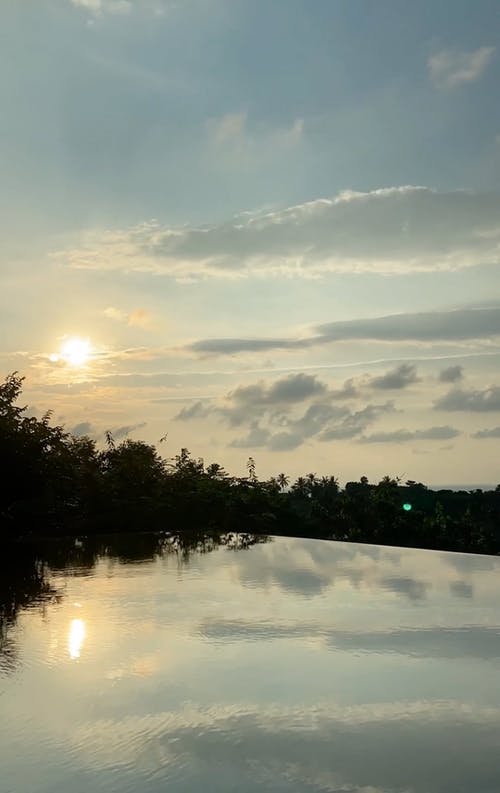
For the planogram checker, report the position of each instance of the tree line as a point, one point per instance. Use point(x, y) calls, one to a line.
point(53, 482)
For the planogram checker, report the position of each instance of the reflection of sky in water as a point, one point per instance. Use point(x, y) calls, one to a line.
point(293, 666)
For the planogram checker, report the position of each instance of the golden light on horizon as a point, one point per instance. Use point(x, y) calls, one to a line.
point(76, 638)
point(74, 351)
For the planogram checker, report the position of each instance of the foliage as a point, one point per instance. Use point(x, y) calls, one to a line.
point(54, 483)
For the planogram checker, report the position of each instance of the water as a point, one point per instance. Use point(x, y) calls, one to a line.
point(290, 665)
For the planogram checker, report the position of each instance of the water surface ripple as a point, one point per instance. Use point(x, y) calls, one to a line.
point(139, 665)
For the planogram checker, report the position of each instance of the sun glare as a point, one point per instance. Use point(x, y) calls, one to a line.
point(75, 351)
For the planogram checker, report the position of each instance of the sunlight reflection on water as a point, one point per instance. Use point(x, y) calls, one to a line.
point(76, 637)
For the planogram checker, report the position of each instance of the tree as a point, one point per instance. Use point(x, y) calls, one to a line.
point(282, 480)
point(251, 469)
point(54, 482)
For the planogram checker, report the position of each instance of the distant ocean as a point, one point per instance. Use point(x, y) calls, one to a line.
point(462, 487)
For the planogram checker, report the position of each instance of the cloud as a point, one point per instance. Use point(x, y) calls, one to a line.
point(452, 374)
point(234, 346)
point(290, 389)
point(138, 318)
point(286, 413)
point(245, 402)
point(403, 436)
point(195, 411)
point(84, 428)
point(423, 327)
point(285, 441)
point(233, 134)
point(494, 432)
point(98, 7)
point(354, 423)
point(475, 401)
point(227, 128)
point(126, 429)
point(390, 230)
point(255, 399)
point(316, 417)
point(451, 68)
point(430, 326)
point(256, 437)
point(324, 421)
point(115, 314)
point(347, 391)
point(396, 379)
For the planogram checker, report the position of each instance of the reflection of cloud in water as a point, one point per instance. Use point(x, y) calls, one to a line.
point(144, 666)
point(389, 747)
point(414, 590)
point(482, 643)
point(470, 563)
point(329, 631)
point(304, 581)
point(461, 589)
point(308, 568)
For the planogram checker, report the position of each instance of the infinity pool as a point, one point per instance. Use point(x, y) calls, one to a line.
point(230, 665)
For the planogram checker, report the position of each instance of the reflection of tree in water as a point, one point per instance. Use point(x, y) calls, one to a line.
point(201, 542)
point(23, 583)
point(29, 570)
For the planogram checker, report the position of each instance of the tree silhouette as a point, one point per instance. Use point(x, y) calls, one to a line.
point(55, 483)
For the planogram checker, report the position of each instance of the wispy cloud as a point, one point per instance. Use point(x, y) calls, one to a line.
point(139, 317)
point(233, 131)
point(494, 432)
point(126, 429)
point(404, 436)
point(228, 128)
point(198, 410)
point(104, 6)
point(393, 230)
point(83, 428)
point(116, 314)
point(451, 68)
point(118, 432)
point(425, 327)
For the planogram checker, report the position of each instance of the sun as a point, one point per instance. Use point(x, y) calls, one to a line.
point(76, 352)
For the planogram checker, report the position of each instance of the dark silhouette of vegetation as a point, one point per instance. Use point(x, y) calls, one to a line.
point(55, 483)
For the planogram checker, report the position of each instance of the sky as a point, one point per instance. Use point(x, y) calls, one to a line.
point(268, 229)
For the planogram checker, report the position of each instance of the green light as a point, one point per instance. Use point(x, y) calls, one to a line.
point(407, 507)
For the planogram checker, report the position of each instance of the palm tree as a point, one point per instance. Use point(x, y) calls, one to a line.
point(300, 486)
point(283, 481)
